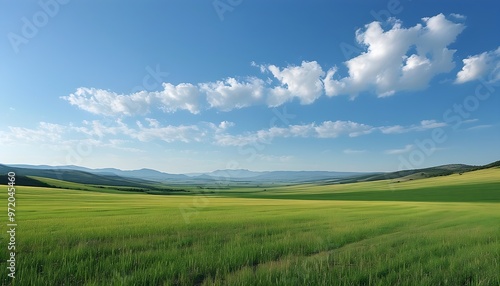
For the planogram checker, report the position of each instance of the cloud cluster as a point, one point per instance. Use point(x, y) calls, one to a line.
point(486, 64)
point(303, 82)
point(393, 60)
point(183, 96)
point(152, 130)
point(230, 94)
point(327, 129)
point(400, 59)
point(105, 102)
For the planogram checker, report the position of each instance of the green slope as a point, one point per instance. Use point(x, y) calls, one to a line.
point(24, 181)
point(156, 189)
point(77, 177)
point(476, 186)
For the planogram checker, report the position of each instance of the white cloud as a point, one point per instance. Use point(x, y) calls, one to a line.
point(470, 120)
point(183, 133)
point(424, 125)
point(69, 139)
point(478, 127)
point(98, 101)
point(184, 96)
point(482, 65)
point(399, 59)
point(303, 82)
point(458, 16)
point(332, 129)
point(305, 130)
point(429, 124)
point(225, 125)
point(393, 129)
point(327, 129)
point(102, 128)
point(232, 140)
point(230, 93)
point(273, 158)
point(109, 103)
point(44, 133)
point(149, 131)
point(153, 122)
point(406, 149)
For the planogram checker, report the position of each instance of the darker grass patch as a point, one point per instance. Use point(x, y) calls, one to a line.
point(483, 193)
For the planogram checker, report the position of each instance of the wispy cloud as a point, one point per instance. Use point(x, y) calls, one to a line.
point(103, 102)
point(327, 129)
point(45, 132)
point(458, 16)
point(273, 158)
point(406, 149)
point(151, 129)
point(353, 151)
point(478, 127)
point(424, 125)
point(486, 64)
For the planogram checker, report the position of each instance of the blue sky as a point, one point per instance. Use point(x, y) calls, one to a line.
point(195, 86)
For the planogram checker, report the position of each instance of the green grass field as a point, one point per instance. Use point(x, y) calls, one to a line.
point(436, 231)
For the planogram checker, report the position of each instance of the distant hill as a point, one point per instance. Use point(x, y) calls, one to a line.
point(234, 173)
point(303, 176)
point(147, 178)
point(75, 176)
point(275, 176)
point(491, 165)
point(443, 170)
point(106, 176)
point(143, 174)
point(23, 181)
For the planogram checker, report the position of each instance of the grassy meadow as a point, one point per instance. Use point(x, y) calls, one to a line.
point(436, 231)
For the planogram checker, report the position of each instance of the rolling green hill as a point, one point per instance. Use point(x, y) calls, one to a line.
point(443, 170)
point(476, 186)
point(77, 177)
point(152, 189)
point(24, 181)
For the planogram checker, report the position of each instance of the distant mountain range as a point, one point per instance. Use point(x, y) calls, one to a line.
point(146, 178)
point(230, 175)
